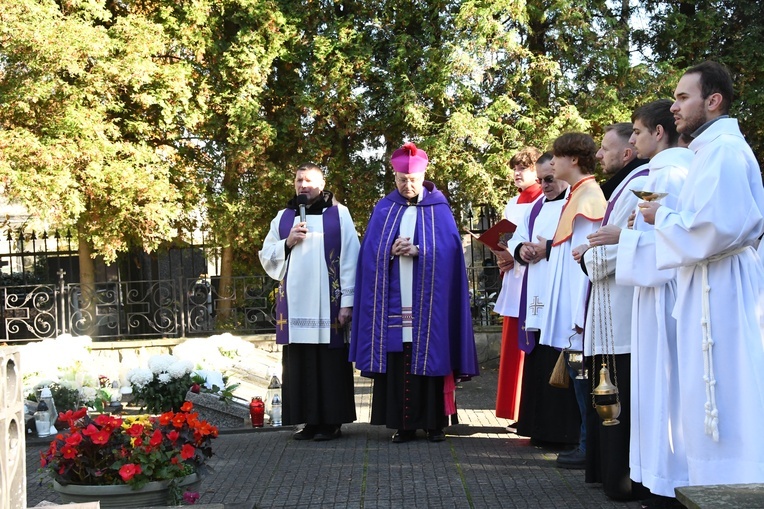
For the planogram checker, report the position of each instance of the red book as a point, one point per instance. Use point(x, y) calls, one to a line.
point(497, 236)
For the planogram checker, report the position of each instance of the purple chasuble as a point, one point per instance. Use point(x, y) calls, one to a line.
point(332, 246)
point(527, 341)
point(443, 341)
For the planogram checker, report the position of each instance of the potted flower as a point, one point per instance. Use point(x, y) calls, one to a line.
point(163, 385)
point(131, 462)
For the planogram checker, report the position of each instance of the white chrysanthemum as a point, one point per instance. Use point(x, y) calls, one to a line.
point(68, 384)
point(88, 394)
point(180, 368)
point(164, 378)
point(211, 378)
point(161, 363)
point(140, 377)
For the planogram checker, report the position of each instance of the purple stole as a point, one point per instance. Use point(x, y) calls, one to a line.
point(613, 199)
point(526, 342)
point(332, 248)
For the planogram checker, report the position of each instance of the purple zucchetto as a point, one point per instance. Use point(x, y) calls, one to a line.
point(409, 159)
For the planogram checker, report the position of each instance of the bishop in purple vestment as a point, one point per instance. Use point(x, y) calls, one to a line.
point(412, 328)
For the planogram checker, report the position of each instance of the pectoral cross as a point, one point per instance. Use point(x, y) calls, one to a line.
point(535, 305)
point(281, 322)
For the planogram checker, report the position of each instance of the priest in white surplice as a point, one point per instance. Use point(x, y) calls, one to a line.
point(657, 456)
point(315, 262)
point(709, 238)
point(565, 292)
point(607, 459)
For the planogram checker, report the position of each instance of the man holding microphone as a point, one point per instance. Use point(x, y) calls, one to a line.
point(312, 249)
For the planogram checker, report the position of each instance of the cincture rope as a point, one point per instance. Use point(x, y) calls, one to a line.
point(712, 411)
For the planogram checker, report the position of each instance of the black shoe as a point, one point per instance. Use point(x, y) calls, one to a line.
point(328, 433)
point(404, 435)
point(306, 433)
point(435, 435)
point(568, 452)
point(575, 460)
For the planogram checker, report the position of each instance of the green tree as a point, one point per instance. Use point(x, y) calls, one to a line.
point(679, 34)
point(88, 117)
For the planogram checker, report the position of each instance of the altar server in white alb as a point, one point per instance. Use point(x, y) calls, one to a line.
point(657, 456)
point(565, 291)
point(709, 236)
point(547, 414)
point(312, 249)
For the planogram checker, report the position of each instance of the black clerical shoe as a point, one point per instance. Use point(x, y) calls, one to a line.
point(435, 435)
point(306, 433)
point(404, 435)
point(329, 432)
point(575, 460)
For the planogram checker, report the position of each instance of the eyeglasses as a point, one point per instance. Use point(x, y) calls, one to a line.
point(548, 179)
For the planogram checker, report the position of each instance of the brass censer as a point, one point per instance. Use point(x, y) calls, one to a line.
point(606, 400)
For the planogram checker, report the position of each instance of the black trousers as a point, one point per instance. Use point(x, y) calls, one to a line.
point(317, 386)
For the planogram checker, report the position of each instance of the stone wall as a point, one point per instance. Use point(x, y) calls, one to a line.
point(13, 487)
point(488, 345)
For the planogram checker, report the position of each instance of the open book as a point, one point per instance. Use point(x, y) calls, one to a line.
point(497, 236)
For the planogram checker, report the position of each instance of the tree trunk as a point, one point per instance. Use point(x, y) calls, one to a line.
point(225, 291)
point(85, 322)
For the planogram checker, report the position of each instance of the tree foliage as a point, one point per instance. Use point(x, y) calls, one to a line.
point(87, 117)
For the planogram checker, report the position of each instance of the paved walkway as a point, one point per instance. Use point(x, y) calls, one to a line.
point(479, 466)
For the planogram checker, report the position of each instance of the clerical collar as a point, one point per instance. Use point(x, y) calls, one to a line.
point(413, 201)
point(559, 196)
point(705, 126)
point(325, 200)
point(610, 186)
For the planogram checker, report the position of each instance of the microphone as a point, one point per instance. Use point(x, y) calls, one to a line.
point(302, 200)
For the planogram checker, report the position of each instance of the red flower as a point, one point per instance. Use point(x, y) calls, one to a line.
point(107, 422)
point(101, 437)
point(173, 436)
point(90, 430)
point(68, 452)
point(135, 431)
point(179, 420)
point(156, 438)
point(74, 439)
point(187, 451)
point(70, 415)
point(166, 418)
point(187, 406)
point(129, 471)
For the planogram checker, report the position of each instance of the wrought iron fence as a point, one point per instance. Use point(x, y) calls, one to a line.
point(163, 296)
point(138, 309)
